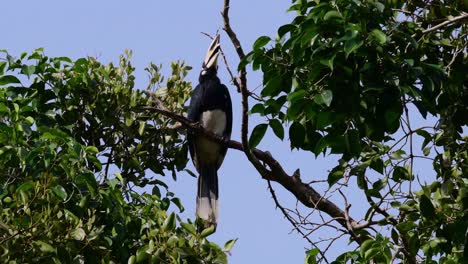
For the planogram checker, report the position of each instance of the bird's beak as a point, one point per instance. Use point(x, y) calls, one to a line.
point(212, 54)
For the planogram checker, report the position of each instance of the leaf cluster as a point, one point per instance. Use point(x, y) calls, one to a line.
point(74, 145)
point(344, 76)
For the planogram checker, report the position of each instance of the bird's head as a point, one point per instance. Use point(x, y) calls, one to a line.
point(210, 64)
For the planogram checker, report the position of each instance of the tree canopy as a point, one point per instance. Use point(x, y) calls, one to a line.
point(345, 78)
point(75, 146)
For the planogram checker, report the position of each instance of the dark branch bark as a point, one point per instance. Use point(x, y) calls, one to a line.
point(275, 172)
point(268, 167)
point(303, 192)
point(242, 86)
point(293, 223)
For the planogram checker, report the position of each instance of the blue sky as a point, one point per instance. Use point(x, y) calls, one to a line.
point(163, 31)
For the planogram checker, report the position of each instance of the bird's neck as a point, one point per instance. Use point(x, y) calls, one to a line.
point(208, 77)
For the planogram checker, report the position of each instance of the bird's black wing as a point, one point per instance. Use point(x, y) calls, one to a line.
point(227, 132)
point(193, 114)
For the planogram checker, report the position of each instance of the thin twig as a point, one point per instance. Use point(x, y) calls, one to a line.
point(242, 86)
point(308, 196)
point(287, 216)
point(449, 21)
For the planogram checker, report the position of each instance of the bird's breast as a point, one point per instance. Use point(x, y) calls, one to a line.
point(214, 121)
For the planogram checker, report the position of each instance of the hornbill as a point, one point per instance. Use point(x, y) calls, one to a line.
point(211, 107)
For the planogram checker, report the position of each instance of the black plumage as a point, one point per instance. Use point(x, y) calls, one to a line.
point(211, 107)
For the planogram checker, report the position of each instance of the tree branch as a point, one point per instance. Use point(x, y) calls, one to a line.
point(242, 86)
point(302, 191)
point(291, 220)
point(449, 21)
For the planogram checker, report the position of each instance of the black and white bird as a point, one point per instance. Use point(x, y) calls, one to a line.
point(211, 107)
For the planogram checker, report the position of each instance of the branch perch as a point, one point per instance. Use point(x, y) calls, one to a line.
point(302, 191)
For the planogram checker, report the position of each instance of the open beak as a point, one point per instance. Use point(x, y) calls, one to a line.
point(212, 54)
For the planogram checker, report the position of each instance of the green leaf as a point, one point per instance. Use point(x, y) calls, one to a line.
point(427, 137)
point(328, 61)
point(60, 192)
point(258, 108)
point(169, 223)
point(65, 59)
point(91, 149)
point(324, 119)
point(334, 176)
point(426, 207)
point(377, 165)
point(371, 253)
point(246, 60)
point(189, 228)
point(380, 184)
point(285, 29)
point(295, 109)
point(396, 155)
point(119, 177)
point(296, 95)
point(297, 135)
point(178, 203)
point(141, 254)
point(4, 109)
point(141, 127)
point(131, 259)
point(273, 86)
point(311, 256)
point(88, 180)
point(366, 245)
point(352, 45)
point(28, 70)
point(260, 42)
point(78, 234)
point(257, 135)
point(332, 14)
point(229, 245)
point(324, 98)
point(44, 247)
point(2, 67)
point(8, 79)
point(379, 36)
point(400, 173)
point(29, 120)
point(207, 231)
point(277, 127)
point(25, 186)
point(156, 191)
point(373, 193)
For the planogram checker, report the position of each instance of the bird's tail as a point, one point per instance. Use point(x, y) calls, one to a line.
point(207, 195)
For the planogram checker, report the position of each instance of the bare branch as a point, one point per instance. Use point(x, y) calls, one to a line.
point(242, 86)
point(450, 20)
point(293, 223)
point(302, 191)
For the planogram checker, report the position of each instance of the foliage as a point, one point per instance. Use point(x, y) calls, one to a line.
point(349, 77)
point(75, 147)
point(345, 77)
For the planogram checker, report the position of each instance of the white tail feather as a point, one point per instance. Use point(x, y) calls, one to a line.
point(207, 209)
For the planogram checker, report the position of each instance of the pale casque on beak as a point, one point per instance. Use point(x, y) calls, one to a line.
point(212, 54)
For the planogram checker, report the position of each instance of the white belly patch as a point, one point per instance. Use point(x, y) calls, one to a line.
point(214, 121)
